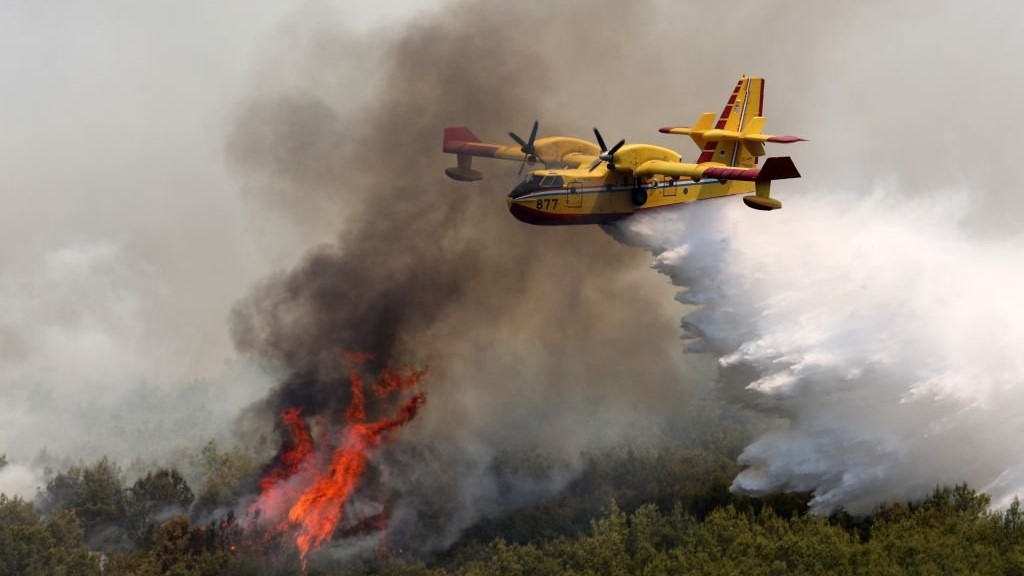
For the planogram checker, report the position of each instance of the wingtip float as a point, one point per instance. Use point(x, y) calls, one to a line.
point(582, 183)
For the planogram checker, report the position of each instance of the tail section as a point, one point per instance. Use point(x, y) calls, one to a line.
point(736, 139)
point(745, 103)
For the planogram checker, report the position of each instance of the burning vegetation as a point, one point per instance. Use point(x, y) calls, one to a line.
point(307, 490)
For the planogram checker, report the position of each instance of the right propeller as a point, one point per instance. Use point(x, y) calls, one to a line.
point(607, 155)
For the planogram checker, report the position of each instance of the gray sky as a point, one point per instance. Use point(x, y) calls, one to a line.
point(124, 239)
point(114, 114)
point(111, 152)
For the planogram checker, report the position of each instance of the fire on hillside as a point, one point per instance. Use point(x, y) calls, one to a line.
point(307, 492)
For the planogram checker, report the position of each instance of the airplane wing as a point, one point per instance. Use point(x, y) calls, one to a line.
point(775, 168)
point(460, 140)
point(552, 152)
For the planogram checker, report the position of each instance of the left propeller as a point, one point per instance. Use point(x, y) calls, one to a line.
point(526, 146)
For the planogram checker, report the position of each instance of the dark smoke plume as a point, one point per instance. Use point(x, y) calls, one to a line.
point(550, 338)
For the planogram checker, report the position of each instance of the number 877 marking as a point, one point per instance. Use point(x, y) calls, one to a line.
point(547, 203)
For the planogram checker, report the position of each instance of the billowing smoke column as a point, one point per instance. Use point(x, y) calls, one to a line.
point(526, 331)
point(885, 335)
point(851, 316)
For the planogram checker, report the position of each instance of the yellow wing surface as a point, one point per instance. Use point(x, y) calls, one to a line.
point(558, 151)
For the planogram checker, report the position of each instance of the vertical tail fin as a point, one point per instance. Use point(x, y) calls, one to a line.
point(745, 103)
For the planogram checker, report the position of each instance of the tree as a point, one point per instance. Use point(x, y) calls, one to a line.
point(949, 532)
point(31, 546)
point(155, 495)
point(226, 475)
point(96, 496)
point(604, 551)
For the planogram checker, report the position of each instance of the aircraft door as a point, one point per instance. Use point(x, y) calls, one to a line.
point(573, 198)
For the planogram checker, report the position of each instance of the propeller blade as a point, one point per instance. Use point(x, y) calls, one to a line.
point(600, 141)
point(533, 134)
point(606, 155)
point(523, 165)
point(518, 140)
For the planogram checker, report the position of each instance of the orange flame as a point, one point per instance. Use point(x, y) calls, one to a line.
point(293, 456)
point(324, 485)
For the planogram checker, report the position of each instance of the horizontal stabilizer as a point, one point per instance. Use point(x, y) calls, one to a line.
point(755, 126)
point(751, 136)
point(703, 124)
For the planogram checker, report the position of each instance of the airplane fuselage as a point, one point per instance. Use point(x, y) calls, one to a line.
point(561, 197)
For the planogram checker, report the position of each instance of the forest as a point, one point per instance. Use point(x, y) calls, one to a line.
point(651, 512)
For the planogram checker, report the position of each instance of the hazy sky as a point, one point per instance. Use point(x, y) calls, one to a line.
point(124, 237)
point(111, 154)
point(114, 113)
point(125, 240)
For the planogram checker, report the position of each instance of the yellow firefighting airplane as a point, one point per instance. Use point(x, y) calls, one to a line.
point(586, 184)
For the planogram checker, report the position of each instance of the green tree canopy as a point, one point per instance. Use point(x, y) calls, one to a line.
point(32, 546)
point(95, 494)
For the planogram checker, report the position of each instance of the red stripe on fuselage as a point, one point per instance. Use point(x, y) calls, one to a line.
point(541, 218)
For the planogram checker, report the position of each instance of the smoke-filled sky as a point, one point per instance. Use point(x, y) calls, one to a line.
point(158, 160)
point(124, 240)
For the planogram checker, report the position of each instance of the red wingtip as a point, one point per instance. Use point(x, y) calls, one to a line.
point(458, 134)
point(666, 129)
point(777, 168)
point(786, 139)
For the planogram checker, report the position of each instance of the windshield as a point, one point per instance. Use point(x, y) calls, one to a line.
point(535, 182)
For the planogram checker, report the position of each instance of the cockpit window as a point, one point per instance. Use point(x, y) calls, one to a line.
point(535, 182)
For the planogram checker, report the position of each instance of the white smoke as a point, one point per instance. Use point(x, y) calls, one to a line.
point(18, 480)
point(885, 334)
point(88, 370)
